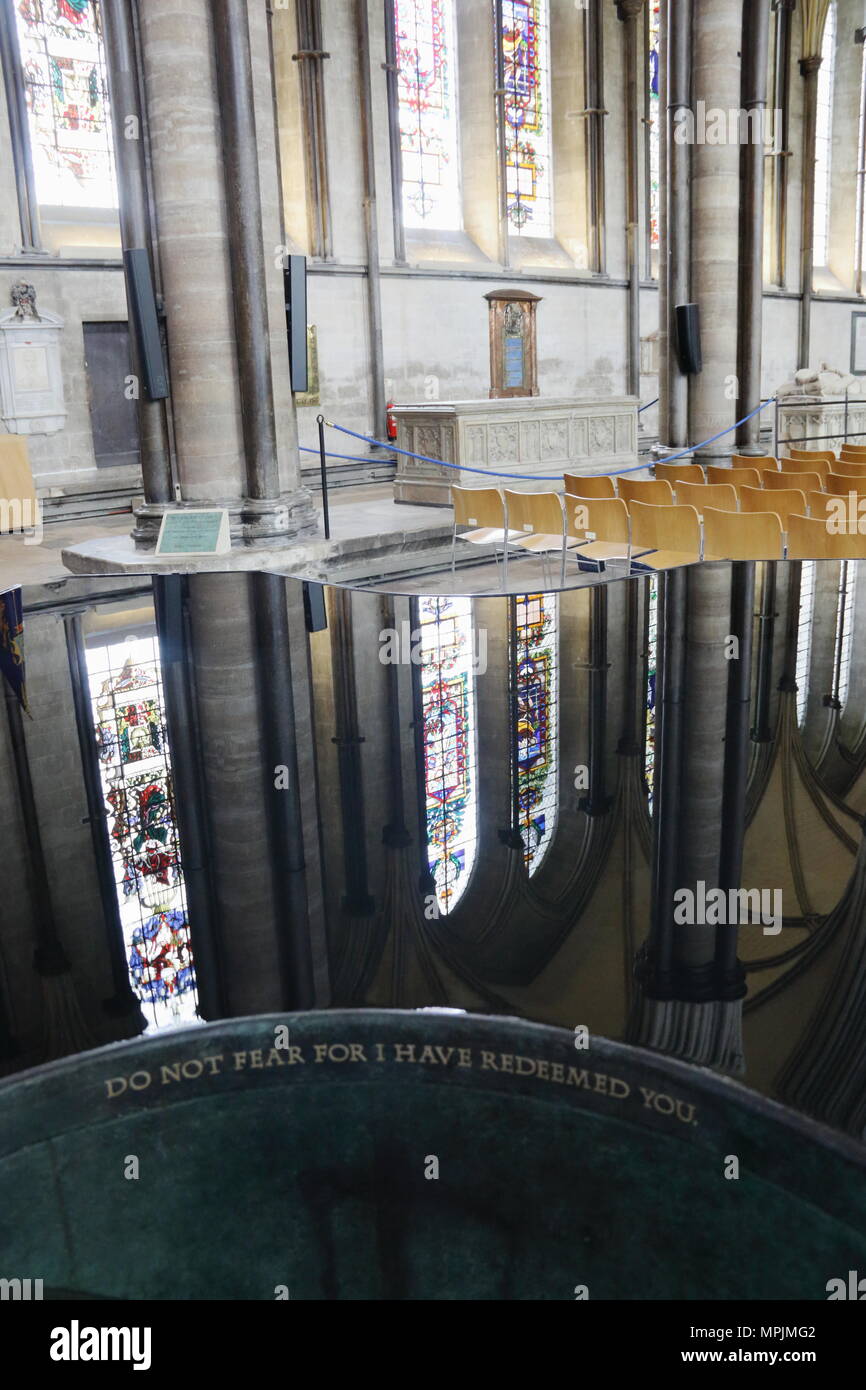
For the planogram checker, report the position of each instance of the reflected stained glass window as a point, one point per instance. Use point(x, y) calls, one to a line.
point(526, 134)
point(651, 669)
point(824, 140)
point(129, 720)
point(804, 635)
point(449, 738)
point(67, 100)
point(654, 141)
point(427, 96)
point(535, 677)
point(844, 626)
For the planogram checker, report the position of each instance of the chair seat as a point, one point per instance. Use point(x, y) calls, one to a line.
point(605, 550)
point(666, 559)
point(487, 535)
point(541, 541)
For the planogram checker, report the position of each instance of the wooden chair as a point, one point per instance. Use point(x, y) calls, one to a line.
point(600, 526)
point(810, 455)
point(804, 482)
point(851, 468)
point(809, 538)
point(746, 536)
point(674, 473)
point(736, 477)
point(700, 495)
point(759, 461)
point(668, 536)
point(855, 452)
point(783, 502)
point(482, 509)
point(539, 521)
point(819, 466)
point(599, 485)
point(840, 484)
point(17, 488)
point(656, 491)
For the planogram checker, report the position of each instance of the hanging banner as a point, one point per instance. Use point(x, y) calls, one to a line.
point(11, 643)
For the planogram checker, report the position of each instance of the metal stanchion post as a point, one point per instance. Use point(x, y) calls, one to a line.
point(320, 421)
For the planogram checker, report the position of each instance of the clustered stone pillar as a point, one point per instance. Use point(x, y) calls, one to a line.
point(200, 77)
point(715, 186)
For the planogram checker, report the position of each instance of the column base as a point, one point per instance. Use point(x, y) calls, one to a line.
point(252, 520)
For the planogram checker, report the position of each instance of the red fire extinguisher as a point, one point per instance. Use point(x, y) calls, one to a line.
point(392, 423)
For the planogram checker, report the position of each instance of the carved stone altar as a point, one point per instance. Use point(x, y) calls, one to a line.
point(536, 436)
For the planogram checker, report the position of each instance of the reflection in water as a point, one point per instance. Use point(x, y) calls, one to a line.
point(135, 770)
point(449, 735)
point(358, 832)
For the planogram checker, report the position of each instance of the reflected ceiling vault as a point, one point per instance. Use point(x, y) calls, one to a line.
point(635, 807)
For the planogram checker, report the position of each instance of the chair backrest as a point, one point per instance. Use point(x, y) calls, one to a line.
point(850, 467)
point(737, 477)
point(657, 491)
point(602, 518)
point(817, 503)
point(809, 538)
point(16, 480)
point(840, 484)
point(855, 452)
point(674, 473)
point(598, 485)
point(814, 465)
point(758, 461)
point(811, 454)
point(536, 513)
point(477, 506)
point(701, 495)
point(805, 482)
point(673, 527)
point(783, 501)
point(746, 536)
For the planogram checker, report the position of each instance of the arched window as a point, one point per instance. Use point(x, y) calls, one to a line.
point(804, 635)
point(135, 767)
point(844, 625)
point(427, 104)
point(653, 130)
point(649, 761)
point(526, 123)
point(824, 141)
point(447, 680)
point(67, 99)
point(534, 674)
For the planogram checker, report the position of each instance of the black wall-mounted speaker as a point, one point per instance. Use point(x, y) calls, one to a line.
point(688, 324)
point(145, 319)
point(295, 284)
point(314, 607)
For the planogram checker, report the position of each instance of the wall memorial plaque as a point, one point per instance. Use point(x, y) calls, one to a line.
point(513, 355)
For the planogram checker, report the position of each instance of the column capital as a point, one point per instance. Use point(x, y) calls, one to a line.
point(628, 9)
point(810, 64)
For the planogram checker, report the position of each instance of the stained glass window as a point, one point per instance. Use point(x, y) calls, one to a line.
point(654, 135)
point(449, 736)
point(427, 88)
point(844, 625)
point(824, 141)
point(66, 85)
point(129, 719)
point(535, 675)
point(804, 635)
point(651, 668)
point(526, 104)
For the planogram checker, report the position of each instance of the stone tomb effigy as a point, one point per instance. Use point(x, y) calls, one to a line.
point(537, 435)
point(386, 1155)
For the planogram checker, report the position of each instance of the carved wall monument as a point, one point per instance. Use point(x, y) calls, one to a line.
point(513, 348)
point(528, 436)
point(31, 381)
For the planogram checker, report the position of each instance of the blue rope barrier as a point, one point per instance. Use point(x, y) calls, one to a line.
point(352, 458)
point(641, 408)
point(543, 477)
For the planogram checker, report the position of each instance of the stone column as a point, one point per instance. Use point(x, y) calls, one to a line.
point(630, 13)
point(715, 186)
point(201, 110)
